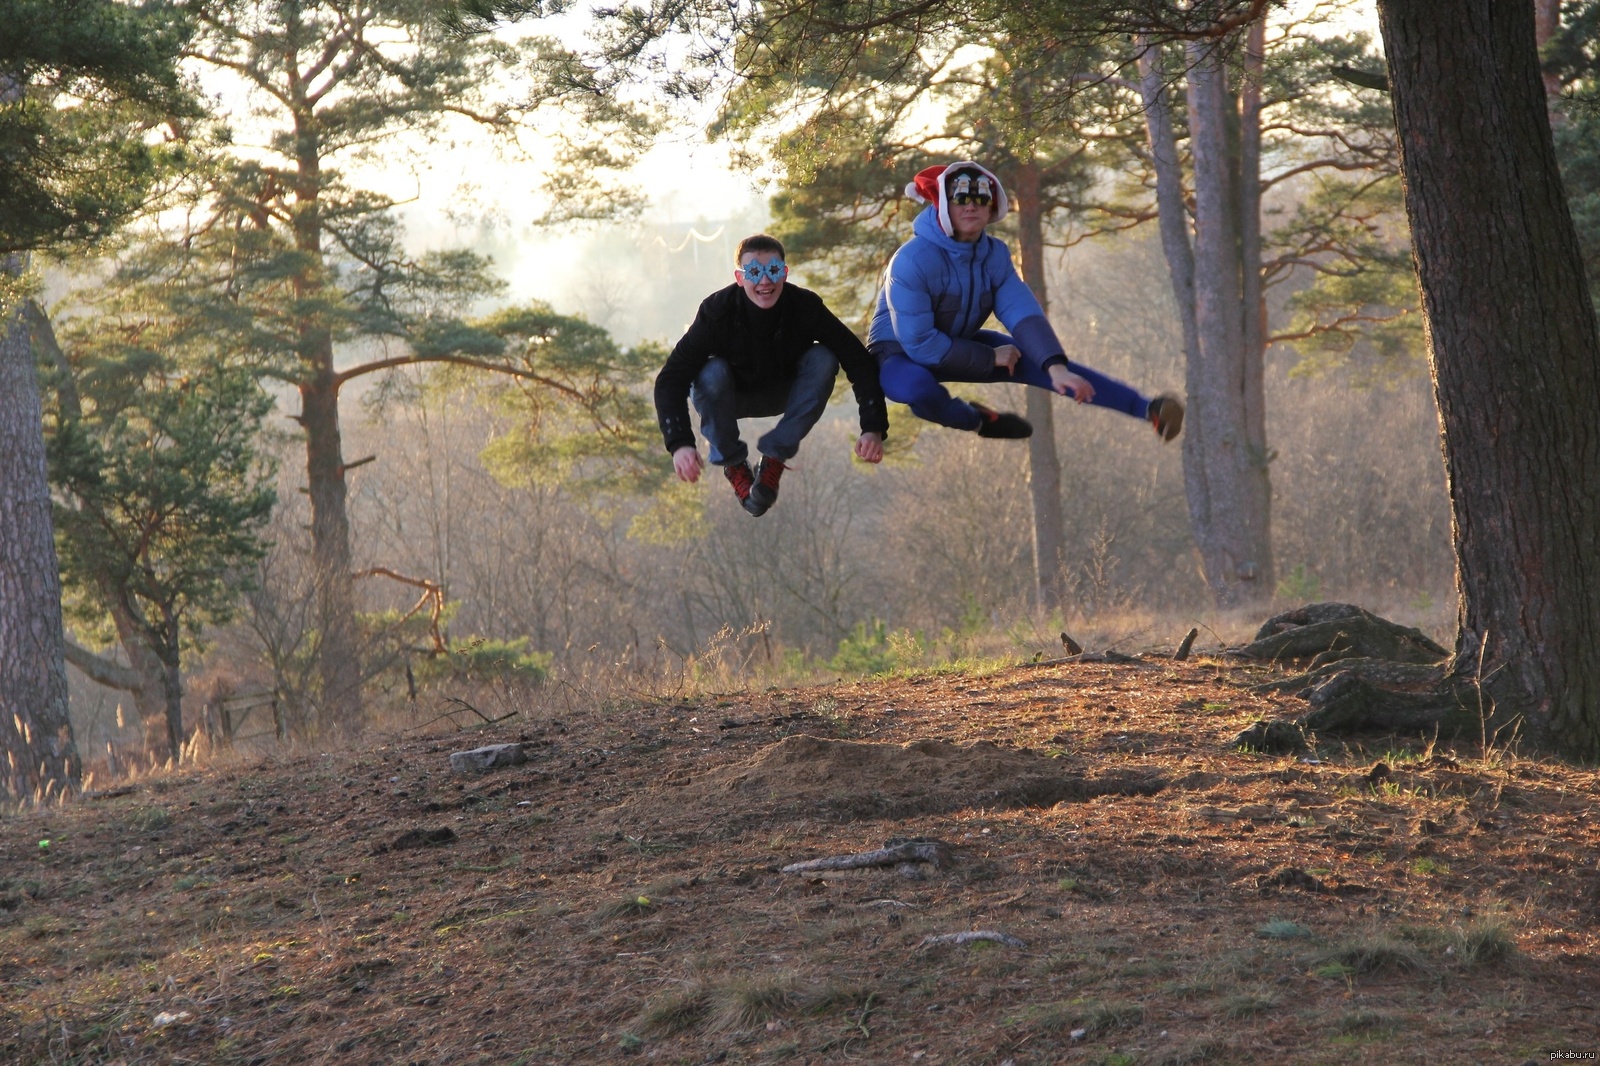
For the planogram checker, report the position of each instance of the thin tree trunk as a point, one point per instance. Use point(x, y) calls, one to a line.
point(1515, 355)
point(339, 648)
point(172, 690)
point(1253, 305)
point(41, 758)
point(149, 696)
point(338, 652)
point(1044, 464)
point(1225, 481)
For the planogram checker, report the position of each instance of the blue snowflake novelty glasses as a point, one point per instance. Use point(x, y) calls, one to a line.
point(773, 271)
point(969, 188)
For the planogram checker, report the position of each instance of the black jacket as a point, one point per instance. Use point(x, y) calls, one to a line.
point(721, 328)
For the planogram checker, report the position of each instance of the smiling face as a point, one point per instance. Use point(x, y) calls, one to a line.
point(763, 289)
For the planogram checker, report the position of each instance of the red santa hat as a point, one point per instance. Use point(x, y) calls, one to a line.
point(930, 187)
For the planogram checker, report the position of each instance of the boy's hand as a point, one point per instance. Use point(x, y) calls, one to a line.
point(1067, 383)
point(869, 447)
point(1007, 355)
point(686, 461)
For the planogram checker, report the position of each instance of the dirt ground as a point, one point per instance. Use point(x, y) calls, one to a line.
point(1154, 896)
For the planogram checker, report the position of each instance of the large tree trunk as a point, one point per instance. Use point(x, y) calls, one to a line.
point(41, 759)
point(1515, 357)
point(1225, 473)
point(1044, 464)
point(1546, 22)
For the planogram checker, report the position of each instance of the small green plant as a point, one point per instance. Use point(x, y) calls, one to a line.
point(1247, 1005)
point(481, 659)
point(748, 1003)
point(1369, 955)
point(628, 907)
point(1483, 945)
point(865, 651)
point(675, 1011)
point(1282, 929)
point(1299, 586)
point(148, 819)
point(1426, 866)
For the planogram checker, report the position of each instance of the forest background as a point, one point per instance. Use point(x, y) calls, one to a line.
point(529, 515)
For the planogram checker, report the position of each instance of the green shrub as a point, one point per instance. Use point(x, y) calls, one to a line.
point(479, 659)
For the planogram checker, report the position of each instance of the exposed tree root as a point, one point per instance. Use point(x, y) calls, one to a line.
point(1321, 633)
point(1347, 702)
point(1366, 674)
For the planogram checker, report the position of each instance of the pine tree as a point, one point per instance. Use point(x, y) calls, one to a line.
point(297, 262)
point(80, 83)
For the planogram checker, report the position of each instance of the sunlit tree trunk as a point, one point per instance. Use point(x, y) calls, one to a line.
point(1044, 464)
point(1225, 471)
point(41, 758)
point(1515, 358)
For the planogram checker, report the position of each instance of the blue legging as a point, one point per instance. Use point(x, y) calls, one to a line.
point(920, 387)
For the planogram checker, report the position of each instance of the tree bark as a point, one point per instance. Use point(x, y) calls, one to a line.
point(1044, 463)
point(339, 647)
point(149, 695)
point(1224, 473)
point(1253, 304)
point(1515, 358)
point(41, 758)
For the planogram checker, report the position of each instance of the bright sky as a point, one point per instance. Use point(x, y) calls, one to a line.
point(464, 193)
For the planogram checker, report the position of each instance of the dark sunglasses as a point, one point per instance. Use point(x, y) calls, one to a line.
point(773, 271)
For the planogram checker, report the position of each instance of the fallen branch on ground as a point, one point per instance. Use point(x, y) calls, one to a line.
point(958, 939)
point(934, 852)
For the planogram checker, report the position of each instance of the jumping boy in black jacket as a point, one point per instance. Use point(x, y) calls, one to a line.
point(761, 347)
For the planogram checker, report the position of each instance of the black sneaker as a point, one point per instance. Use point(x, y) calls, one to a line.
point(764, 493)
point(740, 477)
point(1166, 414)
point(1001, 424)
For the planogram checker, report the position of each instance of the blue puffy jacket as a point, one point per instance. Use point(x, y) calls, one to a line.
point(937, 294)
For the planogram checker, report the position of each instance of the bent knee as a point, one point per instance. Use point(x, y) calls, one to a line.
point(715, 377)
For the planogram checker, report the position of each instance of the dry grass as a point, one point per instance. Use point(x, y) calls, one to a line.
point(620, 893)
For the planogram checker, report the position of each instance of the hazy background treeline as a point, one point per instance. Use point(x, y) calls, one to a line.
point(925, 557)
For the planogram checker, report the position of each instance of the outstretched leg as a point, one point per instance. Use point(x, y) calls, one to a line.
point(1108, 391)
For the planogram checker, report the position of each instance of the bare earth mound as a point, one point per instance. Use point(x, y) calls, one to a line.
point(805, 776)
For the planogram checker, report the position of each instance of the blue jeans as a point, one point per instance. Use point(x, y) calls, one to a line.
point(908, 382)
point(801, 402)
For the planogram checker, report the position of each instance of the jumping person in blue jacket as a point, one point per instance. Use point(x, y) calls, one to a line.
point(942, 285)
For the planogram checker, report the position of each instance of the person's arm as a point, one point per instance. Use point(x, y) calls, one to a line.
point(688, 358)
point(862, 370)
point(909, 294)
point(1018, 310)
